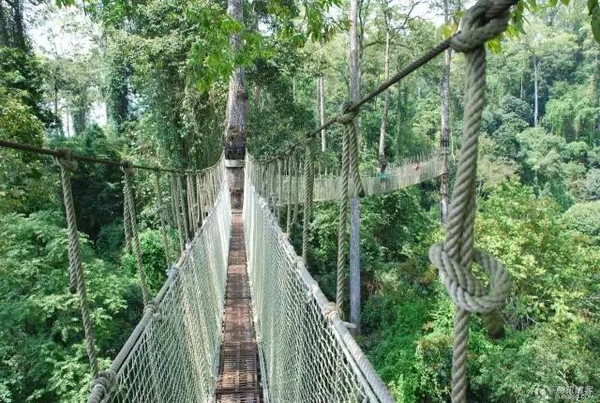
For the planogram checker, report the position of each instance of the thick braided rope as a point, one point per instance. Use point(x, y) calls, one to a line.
point(199, 198)
point(342, 254)
point(135, 239)
point(288, 226)
point(126, 226)
point(349, 121)
point(190, 202)
point(176, 212)
point(101, 386)
point(279, 189)
point(182, 208)
point(309, 184)
point(75, 265)
point(454, 257)
point(160, 213)
point(299, 168)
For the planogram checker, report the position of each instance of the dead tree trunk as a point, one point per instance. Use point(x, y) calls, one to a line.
point(235, 118)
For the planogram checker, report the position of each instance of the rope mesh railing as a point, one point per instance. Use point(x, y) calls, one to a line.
point(172, 355)
point(328, 187)
point(307, 354)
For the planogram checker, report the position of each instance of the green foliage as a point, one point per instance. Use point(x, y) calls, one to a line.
point(153, 258)
point(97, 189)
point(585, 219)
point(163, 75)
point(592, 185)
point(39, 312)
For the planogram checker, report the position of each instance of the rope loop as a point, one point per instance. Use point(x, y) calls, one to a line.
point(477, 28)
point(464, 288)
point(101, 385)
point(331, 310)
point(348, 116)
point(126, 167)
point(65, 160)
point(150, 307)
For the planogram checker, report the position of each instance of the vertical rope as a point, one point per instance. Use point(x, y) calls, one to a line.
point(309, 182)
point(289, 195)
point(342, 255)
point(455, 255)
point(182, 207)
point(199, 198)
point(126, 225)
point(191, 202)
point(299, 168)
point(176, 211)
point(280, 204)
point(135, 240)
point(160, 213)
point(350, 127)
point(75, 265)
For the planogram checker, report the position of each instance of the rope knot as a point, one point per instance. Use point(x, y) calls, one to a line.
point(126, 167)
point(330, 310)
point(64, 160)
point(478, 27)
point(348, 116)
point(102, 384)
point(464, 288)
point(150, 307)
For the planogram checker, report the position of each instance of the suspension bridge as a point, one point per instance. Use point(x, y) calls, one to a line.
point(240, 318)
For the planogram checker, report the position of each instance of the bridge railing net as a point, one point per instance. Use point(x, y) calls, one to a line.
point(306, 351)
point(328, 187)
point(172, 356)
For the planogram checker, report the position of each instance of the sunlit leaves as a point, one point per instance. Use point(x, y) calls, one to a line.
point(212, 58)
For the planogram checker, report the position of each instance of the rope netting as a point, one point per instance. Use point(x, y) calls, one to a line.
point(172, 355)
point(328, 185)
point(307, 354)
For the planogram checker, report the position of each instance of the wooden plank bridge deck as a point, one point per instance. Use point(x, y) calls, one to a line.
point(239, 372)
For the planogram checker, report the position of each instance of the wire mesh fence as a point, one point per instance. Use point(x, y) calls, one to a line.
point(306, 352)
point(172, 355)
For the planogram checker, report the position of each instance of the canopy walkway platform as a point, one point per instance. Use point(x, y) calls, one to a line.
point(328, 187)
point(239, 319)
point(238, 362)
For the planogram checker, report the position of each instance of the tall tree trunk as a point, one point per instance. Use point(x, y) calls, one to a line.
point(235, 118)
point(4, 35)
point(386, 99)
point(445, 125)
point(535, 91)
point(321, 98)
point(354, 201)
point(19, 26)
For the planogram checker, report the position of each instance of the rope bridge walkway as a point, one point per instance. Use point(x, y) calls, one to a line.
point(328, 187)
point(307, 352)
point(239, 317)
